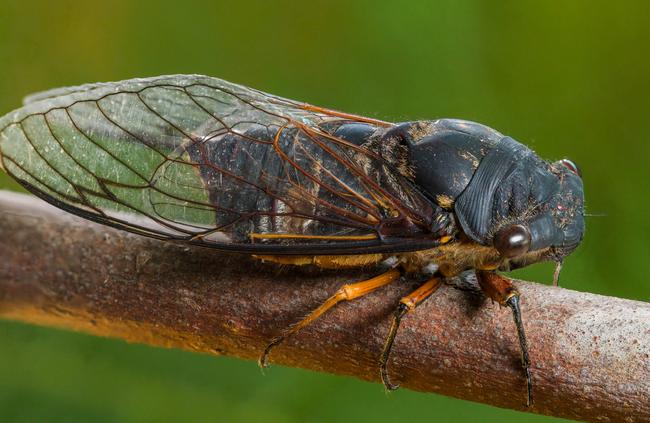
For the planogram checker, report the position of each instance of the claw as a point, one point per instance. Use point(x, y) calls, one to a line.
point(263, 361)
point(386, 380)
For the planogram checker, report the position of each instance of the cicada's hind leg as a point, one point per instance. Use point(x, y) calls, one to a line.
point(345, 293)
point(501, 290)
point(406, 304)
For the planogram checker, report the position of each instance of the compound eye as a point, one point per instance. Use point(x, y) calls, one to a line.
point(512, 241)
point(571, 166)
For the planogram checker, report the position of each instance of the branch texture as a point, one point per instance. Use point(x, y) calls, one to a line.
point(590, 353)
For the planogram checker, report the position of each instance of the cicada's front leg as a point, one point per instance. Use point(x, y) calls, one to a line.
point(501, 290)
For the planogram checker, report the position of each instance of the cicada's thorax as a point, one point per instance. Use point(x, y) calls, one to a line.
point(491, 183)
point(442, 157)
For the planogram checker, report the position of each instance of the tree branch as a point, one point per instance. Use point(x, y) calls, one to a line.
point(590, 353)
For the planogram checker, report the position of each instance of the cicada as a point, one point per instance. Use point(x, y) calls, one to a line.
point(202, 161)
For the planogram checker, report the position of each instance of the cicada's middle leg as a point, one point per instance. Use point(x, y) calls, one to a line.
point(406, 304)
point(501, 290)
point(345, 293)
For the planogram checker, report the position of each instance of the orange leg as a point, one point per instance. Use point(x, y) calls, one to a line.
point(406, 304)
point(345, 293)
point(500, 289)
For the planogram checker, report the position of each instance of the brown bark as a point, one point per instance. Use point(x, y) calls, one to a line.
point(590, 353)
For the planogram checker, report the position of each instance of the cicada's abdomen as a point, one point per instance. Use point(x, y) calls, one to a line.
point(296, 184)
point(245, 172)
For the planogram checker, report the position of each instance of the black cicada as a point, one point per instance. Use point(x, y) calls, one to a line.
point(203, 161)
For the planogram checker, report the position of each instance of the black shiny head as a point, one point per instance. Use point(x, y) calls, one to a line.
point(501, 193)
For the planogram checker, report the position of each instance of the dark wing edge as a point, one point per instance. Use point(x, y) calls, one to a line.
point(160, 119)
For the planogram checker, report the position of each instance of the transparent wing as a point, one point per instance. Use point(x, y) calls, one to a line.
point(201, 160)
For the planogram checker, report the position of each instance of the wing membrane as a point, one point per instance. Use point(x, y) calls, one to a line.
point(201, 160)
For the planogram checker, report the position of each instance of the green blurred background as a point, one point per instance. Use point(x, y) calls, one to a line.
point(569, 78)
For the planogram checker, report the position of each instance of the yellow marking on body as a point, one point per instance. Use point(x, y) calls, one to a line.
point(294, 260)
point(336, 262)
point(471, 158)
point(315, 237)
point(445, 239)
point(445, 201)
point(325, 262)
point(419, 130)
point(490, 266)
